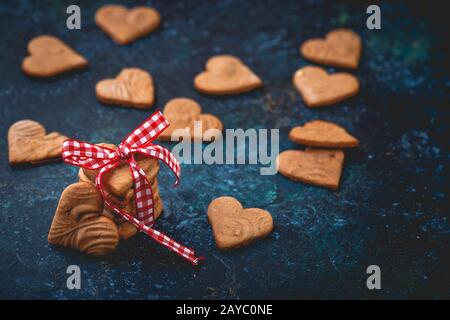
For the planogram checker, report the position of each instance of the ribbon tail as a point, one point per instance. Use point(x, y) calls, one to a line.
point(145, 213)
point(181, 250)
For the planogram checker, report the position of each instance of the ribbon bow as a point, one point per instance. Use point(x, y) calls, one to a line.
point(91, 157)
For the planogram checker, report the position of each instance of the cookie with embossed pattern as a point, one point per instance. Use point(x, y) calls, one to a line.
point(125, 25)
point(319, 167)
point(133, 87)
point(79, 224)
point(318, 88)
point(28, 143)
point(340, 48)
point(233, 226)
point(319, 133)
point(181, 114)
point(49, 57)
point(226, 74)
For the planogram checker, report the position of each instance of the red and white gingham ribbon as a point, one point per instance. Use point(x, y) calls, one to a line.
point(90, 156)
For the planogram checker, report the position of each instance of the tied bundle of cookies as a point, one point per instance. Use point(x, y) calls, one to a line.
point(117, 194)
point(97, 229)
point(119, 190)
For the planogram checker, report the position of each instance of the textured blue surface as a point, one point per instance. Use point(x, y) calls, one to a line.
point(392, 206)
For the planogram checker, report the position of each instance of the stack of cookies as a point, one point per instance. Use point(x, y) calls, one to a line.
point(119, 188)
point(76, 203)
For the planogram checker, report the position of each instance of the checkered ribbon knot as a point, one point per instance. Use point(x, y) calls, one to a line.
point(92, 157)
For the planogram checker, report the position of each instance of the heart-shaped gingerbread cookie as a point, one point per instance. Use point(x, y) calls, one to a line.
point(78, 223)
point(49, 56)
point(318, 88)
point(226, 74)
point(320, 133)
point(181, 114)
point(125, 25)
point(233, 226)
point(29, 143)
point(320, 167)
point(340, 48)
point(133, 87)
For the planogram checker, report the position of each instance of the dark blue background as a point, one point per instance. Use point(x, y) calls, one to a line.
point(392, 206)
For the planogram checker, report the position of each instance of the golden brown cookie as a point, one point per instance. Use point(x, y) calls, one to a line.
point(320, 133)
point(49, 56)
point(133, 87)
point(233, 226)
point(226, 74)
point(125, 25)
point(29, 143)
point(340, 48)
point(320, 167)
point(78, 223)
point(318, 88)
point(181, 114)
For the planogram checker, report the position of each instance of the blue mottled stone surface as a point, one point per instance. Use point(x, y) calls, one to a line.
point(391, 209)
